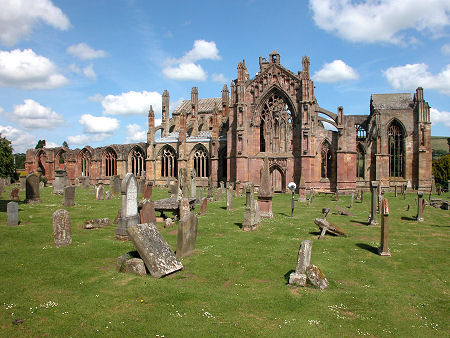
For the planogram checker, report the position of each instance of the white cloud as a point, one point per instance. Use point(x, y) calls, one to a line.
point(17, 18)
point(409, 77)
point(20, 140)
point(201, 50)
point(32, 115)
point(373, 21)
point(87, 71)
point(85, 52)
point(25, 69)
point(131, 103)
point(185, 72)
point(96, 97)
point(50, 144)
point(86, 139)
point(135, 134)
point(440, 117)
point(446, 49)
point(98, 124)
point(219, 78)
point(335, 71)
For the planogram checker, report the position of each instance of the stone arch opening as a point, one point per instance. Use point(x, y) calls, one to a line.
point(85, 162)
point(278, 177)
point(136, 162)
point(109, 161)
point(200, 158)
point(396, 145)
point(169, 166)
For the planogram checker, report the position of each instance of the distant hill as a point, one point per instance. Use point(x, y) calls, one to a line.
point(439, 144)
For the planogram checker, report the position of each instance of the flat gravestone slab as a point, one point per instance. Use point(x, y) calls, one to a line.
point(12, 210)
point(342, 211)
point(61, 228)
point(154, 250)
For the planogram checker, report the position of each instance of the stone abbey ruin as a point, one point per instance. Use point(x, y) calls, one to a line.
point(273, 115)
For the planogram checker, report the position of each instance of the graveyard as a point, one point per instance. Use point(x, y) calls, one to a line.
point(235, 282)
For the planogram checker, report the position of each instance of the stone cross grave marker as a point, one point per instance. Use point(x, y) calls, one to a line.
point(252, 217)
point(303, 261)
point(32, 189)
point(116, 185)
point(69, 196)
point(153, 249)
point(383, 250)
point(187, 235)
point(12, 211)
point(128, 211)
point(61, 228)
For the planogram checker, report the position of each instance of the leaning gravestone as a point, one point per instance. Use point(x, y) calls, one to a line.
point(147, 213)
point(128, 211)
point(316, 277)
point(303, 260)
point(153, 248)
point(14, 194)
point(12, 210)
point(60, 181)
point(325, 226)
point(69, 196)
point(342, 211)
point(32, 189)
point(187, 235)
point(61, 228)
point(99, 192)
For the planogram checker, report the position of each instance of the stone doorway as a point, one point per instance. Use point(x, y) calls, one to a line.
point(278, 180)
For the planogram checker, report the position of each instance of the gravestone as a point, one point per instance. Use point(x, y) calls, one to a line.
point(69, 196)
point(395, 190)
point(131, 265)
point(326, 226)
point(84, 181)
point(203, 206)
point(184, 207)
point(311, 196)
point(14, 194)
point(193, 186)
point(362, 196)
point(173, 189)
point(61, 228)
point(187, 235)
point(32, 189)
point(302, 190)
point(199, 197)
point(265, 191)
point(128, 211)
point(433, 185)
point(383, 250)
point(148, 190)
point(252, 217)
point(440, 191)
point(96, 223)
point(107, 195)
point(219, 195)
point(237, 185)
point(152, 247)
point(12, 211)
point(99, 193)
point(93, 190)
point(116, 185)
point(342, 211)
point(147, 213)
point(420, 206)
point(316, 277)
point(60, 181)
point(230, 197)
point(182, 189)
point(408, 185)
point(351, 200)
point(373, 205)
point(2, 187)
point(337, 194)
point(303, 261)
point(325, 212)
point(140, 185)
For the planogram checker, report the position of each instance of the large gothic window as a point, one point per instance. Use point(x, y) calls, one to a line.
point(168, 163)
point(361, 133)
point(85, 161)
point(359, 161)
point(396, 150)
point(276, 126)
point(110, 162)
point(325, 160)
point(137, 162)
point(201, 163)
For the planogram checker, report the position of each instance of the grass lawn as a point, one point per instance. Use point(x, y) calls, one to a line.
point(236, 282)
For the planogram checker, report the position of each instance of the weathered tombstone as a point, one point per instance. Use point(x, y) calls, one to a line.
point(311, 196)
point(32, 189)
point(131, 265)
point(342, 211)
point(107, 195)
point(326, 226)
point(265, 191)
point(140, 185)
point(373, 209)
point(222, 186)
point(219, 195)
point(23, 182)
point(203, 206)
point(193, 186)
point(148, 190)
point(60, 181)
point(99, 193)
point(395, 190)
point(440, 191)
point(383, 250)
point(173, 189)
point(96, 223)
point(419, 216)
point(147, 212)
point(84, 182)
point(316, 277)
point(187, 235)
point(69, 196)
point(182, 189)
point(408, 185)
point(303, 261)
point(116, 185)
point(433, 185)
point(152, 247)
point(14, 194)
point(128, 211)
point(362, 196)
point(93, 190)
point(230, 197)
point(351, 200)
point(337, 194)
point(302, 190)
point(237, 185)
point(61, 228)
point(199, 195)
point(184, 207)
point(12, 210)
point(252, 217)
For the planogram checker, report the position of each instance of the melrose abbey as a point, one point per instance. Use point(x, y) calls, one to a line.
point(273, 115)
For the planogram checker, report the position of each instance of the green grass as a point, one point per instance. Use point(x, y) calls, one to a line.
point(236, 282)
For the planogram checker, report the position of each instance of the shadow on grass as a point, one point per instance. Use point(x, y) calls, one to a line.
point(315, 233)
point(404, 218)
point(440, 226)
point(239, 225)
point(3, 204)
point(368, 247)
point(284, 214)
point(287, 274)
point(224, 208)
point(359, 222)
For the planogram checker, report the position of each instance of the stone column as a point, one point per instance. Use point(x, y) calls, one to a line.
point(419, 206)
point(383, 250)
point(373, 209)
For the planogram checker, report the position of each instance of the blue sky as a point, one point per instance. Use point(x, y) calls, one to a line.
point(86, 72)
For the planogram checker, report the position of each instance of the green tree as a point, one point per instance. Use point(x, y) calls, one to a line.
point(7, 168)
point(40, 144)
point(441, 170)
point(19, 160)
point(65, 144)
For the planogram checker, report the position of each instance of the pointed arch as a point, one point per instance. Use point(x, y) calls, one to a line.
point(136, 161)
point(60, 159)
point(278, 177)
point(200, 160)
point(168, 158)
point(360, 160)
point(396, 146)
point(109, 161)
point(84, 158)
point(325, 159)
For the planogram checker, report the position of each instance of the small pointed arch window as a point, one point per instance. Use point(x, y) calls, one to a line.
point(360, 161)
point(85, 163)
point(361, 132)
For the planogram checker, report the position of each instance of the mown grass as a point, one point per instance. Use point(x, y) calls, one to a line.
point(236, 282)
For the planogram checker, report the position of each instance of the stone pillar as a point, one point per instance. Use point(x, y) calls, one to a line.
point(302, 190)
point(303, 261)
point(373, 209)
point(420, 206)
point(265, 191)
point(383, 250)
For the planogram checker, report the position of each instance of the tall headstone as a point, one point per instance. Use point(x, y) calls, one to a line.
point(69, 196)
point(373, 205)
point(140, 185)
point(84, 181)
point(420, 206)
point(147, 213)
point(148, 190)
point(99, 193)
point(182, 184)
point(184, 207)
point(128, 211)
point(61, 228)
point(193, 185)
point(303, 261)
point(187, 235)
point(237, 186)
point(23, 182)
point(219, 194)
point(12, 211)
point(173, 189)
point(60, 181)
point(116, 185)
point(302, 190)
point(395, 190)
point(383, 250)
point(265, 191)
point(230, 197)
point(14, 194)
point(252, 216)
point(203, 206)
point(152, 247)
point(32, 189)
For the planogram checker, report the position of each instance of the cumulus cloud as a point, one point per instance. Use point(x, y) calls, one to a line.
point(25, 69)
point(440, 117)
point(335, 71)
point(50, 144)
point(86, 139)
point(85, 52)
point(411, 76)
point(20, 140)
point(135, 134)
point(32, 115)
point(219, 78)
point(445, 49)
point(131, 103)
point(390, 21)
point(98, 124)
point(185, 68)
point(18, 17)
point(87, 71)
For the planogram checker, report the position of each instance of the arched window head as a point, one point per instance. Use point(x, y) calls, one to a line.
point(325, 160)
point(137, 162)
point(110, 163)
point(85, 162)
point(361, 132)
point(168, 163)
point(359, 161)
point(396, 150)
point(201, 163)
